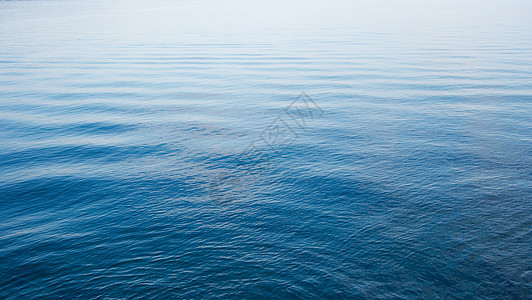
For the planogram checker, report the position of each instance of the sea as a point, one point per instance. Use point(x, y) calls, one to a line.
point(265, 150)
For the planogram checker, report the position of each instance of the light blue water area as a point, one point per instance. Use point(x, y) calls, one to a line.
point(154, 149)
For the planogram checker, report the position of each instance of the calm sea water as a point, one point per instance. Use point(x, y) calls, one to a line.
point(154, 150)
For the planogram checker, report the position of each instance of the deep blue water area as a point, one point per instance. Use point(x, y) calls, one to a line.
point(204, 150)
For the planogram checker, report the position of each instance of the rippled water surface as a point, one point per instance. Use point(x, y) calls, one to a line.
point(126, 170)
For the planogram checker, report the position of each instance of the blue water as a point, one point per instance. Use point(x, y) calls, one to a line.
point(151, 150)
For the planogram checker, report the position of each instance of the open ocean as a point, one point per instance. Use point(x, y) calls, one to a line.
point(222, 149)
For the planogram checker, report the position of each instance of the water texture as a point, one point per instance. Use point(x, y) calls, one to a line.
point(126, 170)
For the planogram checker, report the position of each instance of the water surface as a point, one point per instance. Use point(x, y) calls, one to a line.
point(124, 171)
